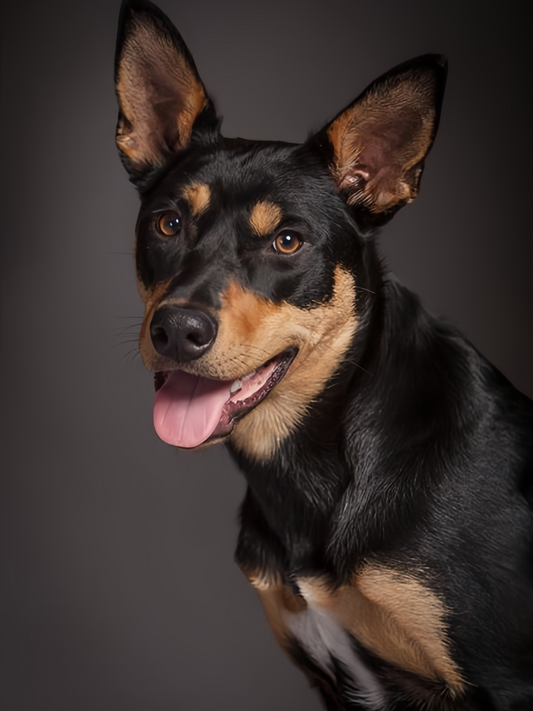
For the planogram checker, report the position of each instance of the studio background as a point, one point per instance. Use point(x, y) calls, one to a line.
point(117, 584)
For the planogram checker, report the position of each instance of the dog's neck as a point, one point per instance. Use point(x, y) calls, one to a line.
point(336, 462)
point(298, 489)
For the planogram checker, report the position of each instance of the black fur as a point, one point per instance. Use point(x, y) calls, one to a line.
point(418, 453)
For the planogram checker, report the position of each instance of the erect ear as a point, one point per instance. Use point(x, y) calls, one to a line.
point(160, 95)
point(377, 146)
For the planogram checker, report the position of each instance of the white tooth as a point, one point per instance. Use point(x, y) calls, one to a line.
point(236, 385)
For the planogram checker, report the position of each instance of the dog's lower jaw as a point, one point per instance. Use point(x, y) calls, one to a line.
point(259, 435)
point(236, 410)
point(192, 410)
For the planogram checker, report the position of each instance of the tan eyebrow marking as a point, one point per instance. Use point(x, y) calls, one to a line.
point(265, 217)
point(198, 196)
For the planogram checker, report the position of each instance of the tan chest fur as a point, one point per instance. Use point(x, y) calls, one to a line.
point(390, 613)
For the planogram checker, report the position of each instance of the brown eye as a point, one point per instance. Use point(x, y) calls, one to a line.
point(287, 242)
point(169, 224)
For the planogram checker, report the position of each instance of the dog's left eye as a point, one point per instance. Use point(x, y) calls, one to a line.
point(287, 242)
point(169, 224)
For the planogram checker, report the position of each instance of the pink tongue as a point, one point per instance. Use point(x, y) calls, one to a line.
point(188, 408)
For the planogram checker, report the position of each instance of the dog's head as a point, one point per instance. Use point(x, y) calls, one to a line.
point(252, 257)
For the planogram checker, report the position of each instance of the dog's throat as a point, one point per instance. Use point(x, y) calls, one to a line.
point(190, 409)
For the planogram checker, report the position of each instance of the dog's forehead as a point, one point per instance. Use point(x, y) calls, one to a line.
point(267, 179)
point(239, 163)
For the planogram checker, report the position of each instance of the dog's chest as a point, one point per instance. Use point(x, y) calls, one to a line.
point(331, 648)
point(391, 615)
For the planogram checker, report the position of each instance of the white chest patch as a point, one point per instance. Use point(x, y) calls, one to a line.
point(324, 640)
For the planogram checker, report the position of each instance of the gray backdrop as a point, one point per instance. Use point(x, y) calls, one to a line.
point(118, 588)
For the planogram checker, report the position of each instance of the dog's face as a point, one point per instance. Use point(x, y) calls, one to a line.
point(251, 256)
point(232, 259)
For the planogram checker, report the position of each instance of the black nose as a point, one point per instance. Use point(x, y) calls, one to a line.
point(182, 334)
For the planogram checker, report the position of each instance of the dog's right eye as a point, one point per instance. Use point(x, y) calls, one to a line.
point(169, 224)
point(287, 242)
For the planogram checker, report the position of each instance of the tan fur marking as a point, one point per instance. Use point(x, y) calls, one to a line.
point(251, 331)
point(143, 291)
point(277, 600)
point(152, 299)
point(254, 329)
point(198, 196)
point(273, 606)
point(265, 218)
point(148, 56)
point(394, 616)
point(368, 134)
point(260, 581)
point(286, 596)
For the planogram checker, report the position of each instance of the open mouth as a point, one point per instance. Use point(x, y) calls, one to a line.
point(189, 409)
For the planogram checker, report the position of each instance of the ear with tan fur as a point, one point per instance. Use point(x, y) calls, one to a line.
point(160, 94)
point(377, 146)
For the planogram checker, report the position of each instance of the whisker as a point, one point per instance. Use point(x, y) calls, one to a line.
point(124, 343)
point(132, 354)
point(122, 329)
point(362, 288)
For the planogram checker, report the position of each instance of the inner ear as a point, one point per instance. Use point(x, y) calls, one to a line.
point(378, 144)
point(159, 91)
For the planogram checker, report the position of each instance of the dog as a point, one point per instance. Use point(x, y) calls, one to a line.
point(387, 524)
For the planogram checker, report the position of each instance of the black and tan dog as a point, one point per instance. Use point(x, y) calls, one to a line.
point(388, 524)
